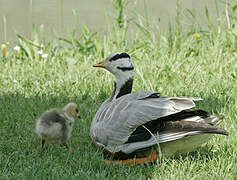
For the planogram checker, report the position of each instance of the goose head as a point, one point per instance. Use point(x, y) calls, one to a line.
point(121, 66)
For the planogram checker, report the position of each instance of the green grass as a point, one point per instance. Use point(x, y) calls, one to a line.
point(175, 64)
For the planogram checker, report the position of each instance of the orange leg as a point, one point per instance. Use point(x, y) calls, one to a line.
point(135, 161)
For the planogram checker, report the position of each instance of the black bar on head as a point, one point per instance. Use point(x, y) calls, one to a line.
point(119, 56)
point(126, 68)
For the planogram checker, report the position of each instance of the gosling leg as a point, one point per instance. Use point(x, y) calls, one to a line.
point(42, 143)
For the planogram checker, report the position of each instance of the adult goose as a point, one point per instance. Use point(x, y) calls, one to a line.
point(129, 126)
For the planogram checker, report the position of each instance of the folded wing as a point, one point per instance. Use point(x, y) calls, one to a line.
point(144, 118)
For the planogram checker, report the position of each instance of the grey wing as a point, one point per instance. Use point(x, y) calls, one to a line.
point(53, 116)
point(157, 120)
point(120, 118)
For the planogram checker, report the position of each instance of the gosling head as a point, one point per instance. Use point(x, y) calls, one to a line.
point(72, 109)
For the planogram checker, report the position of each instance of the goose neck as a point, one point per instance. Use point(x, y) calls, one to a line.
point(122, 88)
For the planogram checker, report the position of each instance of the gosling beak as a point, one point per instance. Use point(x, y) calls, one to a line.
point(79, 117)
point(99, 64)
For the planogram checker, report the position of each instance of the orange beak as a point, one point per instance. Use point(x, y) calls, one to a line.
point(99, 64)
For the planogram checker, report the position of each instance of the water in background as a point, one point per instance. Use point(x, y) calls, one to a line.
point(18, 16)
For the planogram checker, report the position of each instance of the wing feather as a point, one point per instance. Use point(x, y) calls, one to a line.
point(115, 121)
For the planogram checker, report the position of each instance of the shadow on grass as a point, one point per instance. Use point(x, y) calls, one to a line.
point(19, 144)
point(18, 114)
point(215, 103)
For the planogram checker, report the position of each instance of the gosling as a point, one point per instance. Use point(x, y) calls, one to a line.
point(56, 124)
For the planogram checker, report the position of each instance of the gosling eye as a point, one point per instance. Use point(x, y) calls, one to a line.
point(76, 110)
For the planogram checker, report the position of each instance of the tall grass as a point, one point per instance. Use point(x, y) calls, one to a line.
point(5, 28)
point(176, 63)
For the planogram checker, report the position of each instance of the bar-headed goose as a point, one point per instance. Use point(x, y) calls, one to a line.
point(57, 123)
point(130, 125)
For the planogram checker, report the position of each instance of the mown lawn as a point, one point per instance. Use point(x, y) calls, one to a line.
point(176, 63)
